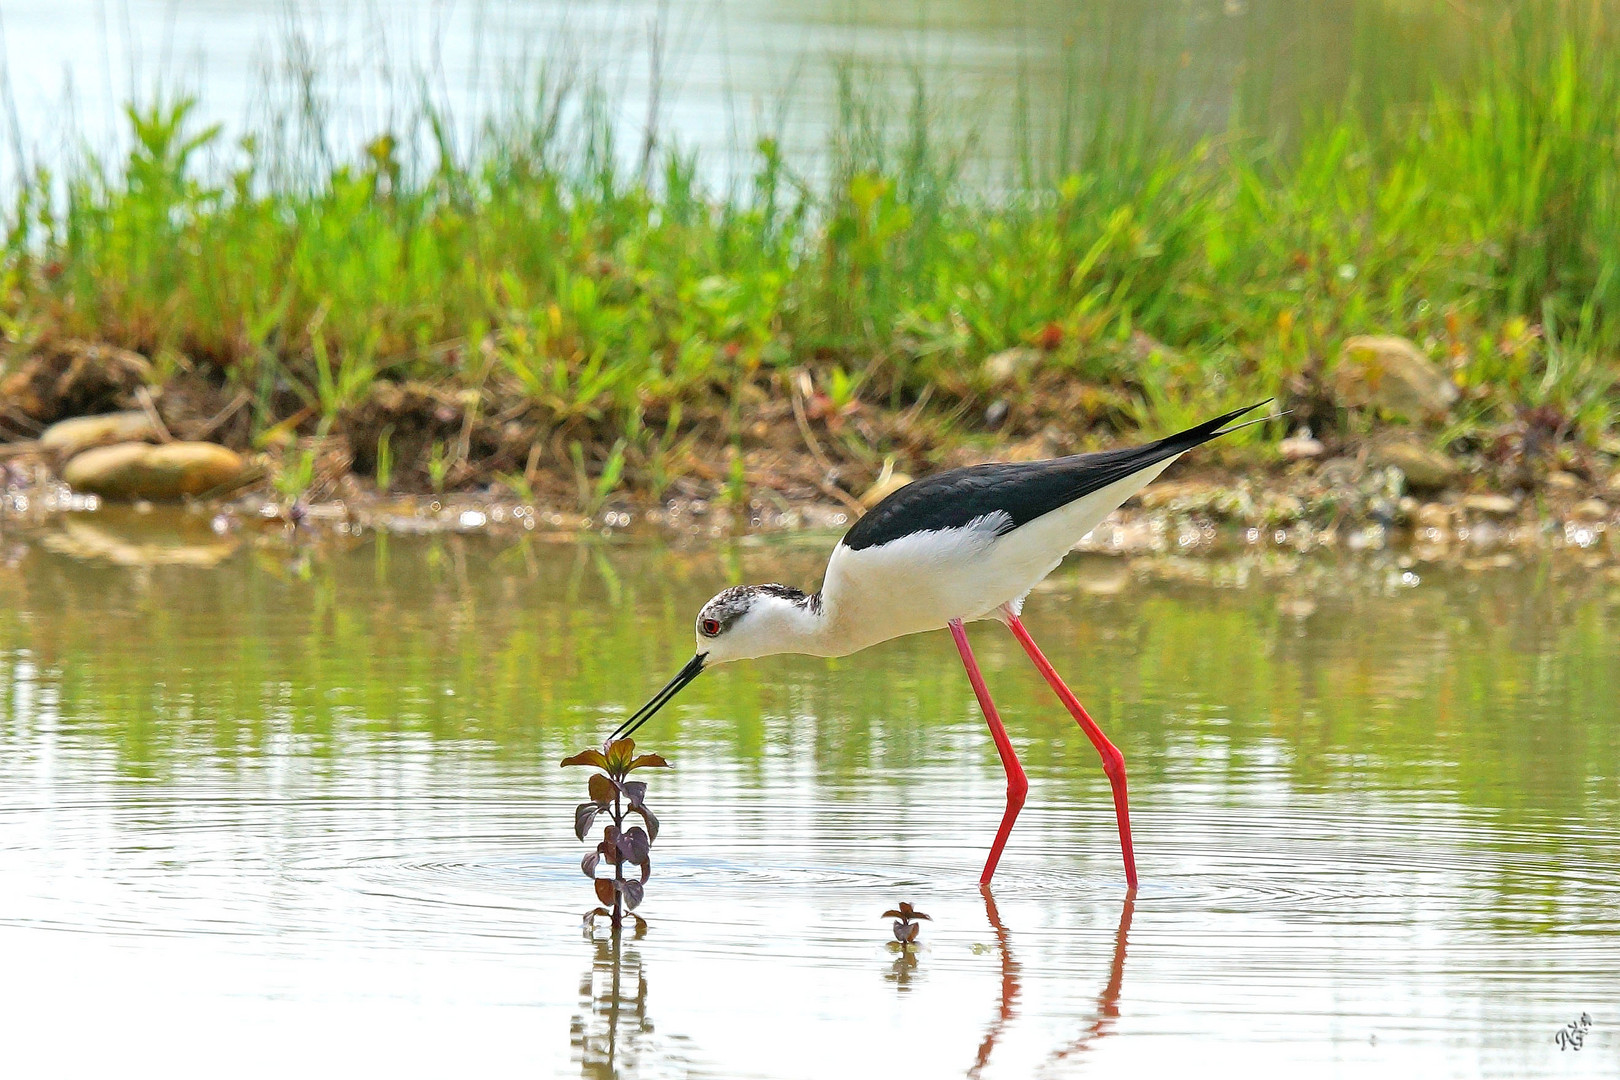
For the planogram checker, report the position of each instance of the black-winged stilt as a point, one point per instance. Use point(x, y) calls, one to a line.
point(943, 551)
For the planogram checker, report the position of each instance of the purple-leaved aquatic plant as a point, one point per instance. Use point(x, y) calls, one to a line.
point(906, 925)
point(611, 793)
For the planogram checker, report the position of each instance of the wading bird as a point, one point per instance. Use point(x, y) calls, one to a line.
point(943, 551)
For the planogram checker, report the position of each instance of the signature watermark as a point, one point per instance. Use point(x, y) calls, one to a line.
point(1572, 1036)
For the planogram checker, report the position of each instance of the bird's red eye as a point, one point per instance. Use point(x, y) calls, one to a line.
point(711, 627)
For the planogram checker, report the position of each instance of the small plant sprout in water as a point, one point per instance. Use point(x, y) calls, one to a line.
point(906, 925)
point(611, 793)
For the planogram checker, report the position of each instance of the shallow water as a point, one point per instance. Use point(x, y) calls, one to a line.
point(301, 809)
point(713, 75)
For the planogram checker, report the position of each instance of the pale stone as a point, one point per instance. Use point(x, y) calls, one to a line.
point(886, 485)
point(1009, 364)
point(1559, 480)
point(1301, 448)
point(1423, 466)
point(1494, 505)
point(143, 471)
point(1432, 516)
point(1393, 375)
point(1590, 510)
point(66, 438)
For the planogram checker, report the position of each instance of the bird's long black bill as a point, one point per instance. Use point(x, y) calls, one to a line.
point(693, 668)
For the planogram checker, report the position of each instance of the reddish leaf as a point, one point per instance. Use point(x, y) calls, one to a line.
point(604, 890)
point(635, 791)
point(652, 822)
point(650, 761)
point(588, 864)
point(587, 757)
point(891, 914)
point(646, 869)
point(584, 814)
point(633, 893)
point(619, 753)
point(911, 931)
point(899, 928)
point(602, 790)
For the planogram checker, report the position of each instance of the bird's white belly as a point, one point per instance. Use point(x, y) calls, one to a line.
point(923, 581)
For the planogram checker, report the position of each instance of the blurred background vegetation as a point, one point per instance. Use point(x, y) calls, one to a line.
point(1172, 211)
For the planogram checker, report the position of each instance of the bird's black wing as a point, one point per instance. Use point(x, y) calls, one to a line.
point(1023, 491)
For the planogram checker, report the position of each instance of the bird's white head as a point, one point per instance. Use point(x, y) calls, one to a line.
point(748, 621)
point(740, 624)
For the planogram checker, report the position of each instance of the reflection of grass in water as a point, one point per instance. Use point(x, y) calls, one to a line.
point(1491, 690)
point(592, 300)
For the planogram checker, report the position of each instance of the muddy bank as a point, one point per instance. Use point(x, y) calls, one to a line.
point(85, 425)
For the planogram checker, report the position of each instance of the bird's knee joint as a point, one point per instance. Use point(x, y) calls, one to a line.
point(1114, 765)
point(1016, 790)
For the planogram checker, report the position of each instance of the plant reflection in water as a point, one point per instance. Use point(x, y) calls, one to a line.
point(611, 1031)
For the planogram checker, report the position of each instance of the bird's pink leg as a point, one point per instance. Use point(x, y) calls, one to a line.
point(1017, 783)
point(1113, 761)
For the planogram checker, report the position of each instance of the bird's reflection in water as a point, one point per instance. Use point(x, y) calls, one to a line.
point(1009, 985)
point(611, 1031)
point(1107, 1001)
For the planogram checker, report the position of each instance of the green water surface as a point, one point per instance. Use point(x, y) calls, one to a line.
point(271, 808)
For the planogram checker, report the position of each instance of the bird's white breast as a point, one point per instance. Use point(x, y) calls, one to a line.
point(923, 580)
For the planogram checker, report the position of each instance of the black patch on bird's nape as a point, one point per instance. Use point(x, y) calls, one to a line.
point(729, 606)
point(1019, 491)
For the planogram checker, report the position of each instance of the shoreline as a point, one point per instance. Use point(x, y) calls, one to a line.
point(1223, 504)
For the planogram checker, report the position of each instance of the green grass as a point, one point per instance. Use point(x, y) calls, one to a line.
point(1174, 275)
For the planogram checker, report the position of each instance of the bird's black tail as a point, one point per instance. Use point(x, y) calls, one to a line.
point(1199, 434)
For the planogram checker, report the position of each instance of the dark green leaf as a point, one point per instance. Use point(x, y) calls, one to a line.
point(635, 791)
point(652, 822)
point(584, 814)
point(588, 864)
point(649, 761)
point(604, 890)
point(587, 757)
point(633, 893)
point(602, 790)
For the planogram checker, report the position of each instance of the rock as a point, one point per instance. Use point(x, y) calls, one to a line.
point(65, 438)
point(1423, 466)
point(1392, 375)
point(1559, 480)
point(143, 471)
point(1494, 505)
point(1301, 447)
point(887, 483)
point(72, 378)
point(1008, 364)
point(1590, 510)
point(1432, 516)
